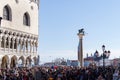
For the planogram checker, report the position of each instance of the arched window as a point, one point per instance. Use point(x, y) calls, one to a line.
point(7, 14)
point(26, 19)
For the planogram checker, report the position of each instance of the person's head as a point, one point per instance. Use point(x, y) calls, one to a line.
point(58, 78)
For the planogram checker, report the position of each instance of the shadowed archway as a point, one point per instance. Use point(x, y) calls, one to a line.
point(28, 61)
point(5, 61)
point(35, 60)
point(21, 61)
point(13, 62)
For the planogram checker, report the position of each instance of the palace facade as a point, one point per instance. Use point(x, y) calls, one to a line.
point(18, 33)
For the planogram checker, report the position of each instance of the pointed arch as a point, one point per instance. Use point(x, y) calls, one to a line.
point(26, 19)
point(28, 61)
point(7, 13)
point(35, 60)
point(5, 61)
point(13, 61)
point(21, 60)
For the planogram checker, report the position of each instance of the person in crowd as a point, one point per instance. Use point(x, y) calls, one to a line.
point(60, 73)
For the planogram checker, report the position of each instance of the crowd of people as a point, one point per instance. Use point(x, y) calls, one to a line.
point(61, 73)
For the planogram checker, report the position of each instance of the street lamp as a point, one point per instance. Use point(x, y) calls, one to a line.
point(103, 48)
point(105, 54)
point(97, 58)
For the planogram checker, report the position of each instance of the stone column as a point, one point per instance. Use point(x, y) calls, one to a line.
point(30, 46)
point(24, 44)
point(16, 62)
point(17, 41)
point(0, 63)
point(0, 40)
point(9, 41)
point(80, 47)
point(25, 63)
point(33, 46)
point(4, 43)
point(13, 42)
point(36, 46)
point(9, 62)
point(21, 45)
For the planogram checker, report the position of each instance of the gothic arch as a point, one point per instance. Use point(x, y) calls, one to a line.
point(13, 61)
point(35, 60)
point(28, 61)
point(5, 61)
point(26, 19)
point(7, 13)
point(22, 59)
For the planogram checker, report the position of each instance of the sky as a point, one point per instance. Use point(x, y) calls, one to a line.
point(60, 20)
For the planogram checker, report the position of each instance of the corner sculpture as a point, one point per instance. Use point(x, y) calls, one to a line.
point(81, 31)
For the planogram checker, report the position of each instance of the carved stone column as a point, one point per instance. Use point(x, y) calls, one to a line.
point(27, 42)
point(24, 44)
point(9, 62)
point(0, 42)
point(17, 41)
point(36, 46)
point(13, 42)
point(0, 62)
point(30, 46)
point(21, 45)
point(4, 43)
point(0, 39)
point(9, 41)
point(33, 46)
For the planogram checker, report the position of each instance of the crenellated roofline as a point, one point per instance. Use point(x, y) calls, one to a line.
point(35, 1)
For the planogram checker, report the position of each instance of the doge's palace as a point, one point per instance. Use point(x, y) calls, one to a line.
point(18, 33)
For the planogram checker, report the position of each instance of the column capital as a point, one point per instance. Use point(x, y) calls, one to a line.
point(1, 35)
point(21, 38)
point(1, 31)
point(17, 38)
point(10, 36)
point(36, 43)
point(5, 36)
point(31, 41)
point(24, 39)
point(13, 37)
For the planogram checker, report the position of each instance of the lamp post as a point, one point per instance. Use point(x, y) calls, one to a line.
point(96, 57)
point(103, 48)
point(105, 54)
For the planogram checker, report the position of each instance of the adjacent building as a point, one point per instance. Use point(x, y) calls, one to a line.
point(18, 33)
